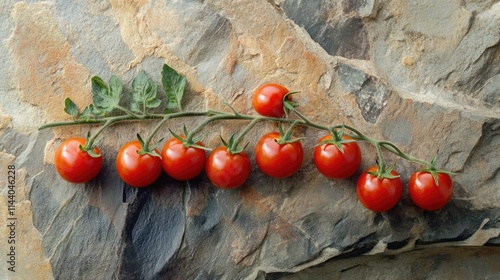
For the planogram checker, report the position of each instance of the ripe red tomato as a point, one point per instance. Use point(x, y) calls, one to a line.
point(135, 169)
point(424, 192)
point(75, 165)
point(378, 194)
point(333, 163)
point(226, 170)
point(182, 163)
point(278, 160)
point(268, 100)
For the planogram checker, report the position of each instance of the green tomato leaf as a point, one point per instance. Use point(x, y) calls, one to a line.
point(106, 99)
point(144, 93)
point(115, 88)
point(173, 85)
point(89, 112)
point(70, 107)
point(153, 103)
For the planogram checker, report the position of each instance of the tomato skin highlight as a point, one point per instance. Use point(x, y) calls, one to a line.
point(135, 169)
point(424, 192)
point(182, 163)
point(275, 160)
point(334, 164)
point(75, 165)
point(379, 195)
point(268, 100)
point(226, 170)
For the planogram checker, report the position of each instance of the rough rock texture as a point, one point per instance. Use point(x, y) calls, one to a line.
point(423, 74)
point(433, 263)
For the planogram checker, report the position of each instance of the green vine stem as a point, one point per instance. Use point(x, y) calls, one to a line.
point(234, 147)
point(130, 113)
point(90, 141)
point(166, 118)
point(391, 147)
point(214, 115)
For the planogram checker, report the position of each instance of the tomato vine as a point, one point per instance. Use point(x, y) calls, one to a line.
point(272, 101)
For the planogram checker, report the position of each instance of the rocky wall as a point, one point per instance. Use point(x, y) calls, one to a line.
point(422, 74)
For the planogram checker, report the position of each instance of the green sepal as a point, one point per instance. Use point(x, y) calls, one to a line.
point(224, 141)
point(280, 130)
point(337, 144)
point(70, 108)
point(185, 131)
point(233, 145)
point(286, 137)
point(151, 153)
point(90, 152)
point(174, 85)
point(155, 145)
point(384, 172)
point(196, 138)
point(200, 147)
point(141, 141)
point(148, 150)
point(433, 161)
point(187, 143)
point(200, 137)
point(90, 149)
point(431, 168)
point(337, 138)
point(178, 137)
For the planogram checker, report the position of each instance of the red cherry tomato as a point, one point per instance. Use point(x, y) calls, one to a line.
point(75, 165)
point(268, 100)
point(135, 169)
point(182, 163)
point(377, 194)
point(424, 192)
point(226, 170)
point(333, 163)
point(278, 160)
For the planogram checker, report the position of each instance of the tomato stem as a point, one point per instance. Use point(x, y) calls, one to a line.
point(395, 150)
point(234, 148)
point(381, 160)
point(197, 129)
point(130, 113)
point(90, 140)
point(391, 147)
point(215, 115)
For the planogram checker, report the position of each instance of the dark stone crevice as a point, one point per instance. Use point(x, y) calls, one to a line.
point(344, 36)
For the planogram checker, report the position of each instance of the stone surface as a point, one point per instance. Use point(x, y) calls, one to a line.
point(433, 263)
point(423, 75)
point(336, 26)
point(371, 95)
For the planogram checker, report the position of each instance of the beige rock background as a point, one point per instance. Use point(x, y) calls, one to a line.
point(424, 75)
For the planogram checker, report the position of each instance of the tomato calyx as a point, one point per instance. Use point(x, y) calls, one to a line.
point(148, 149)
point(189, 141)
point(383, 172)
point(431, 168)
point(90, 146)
point(337, 139)
point(286, 137)
point(232, 145)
